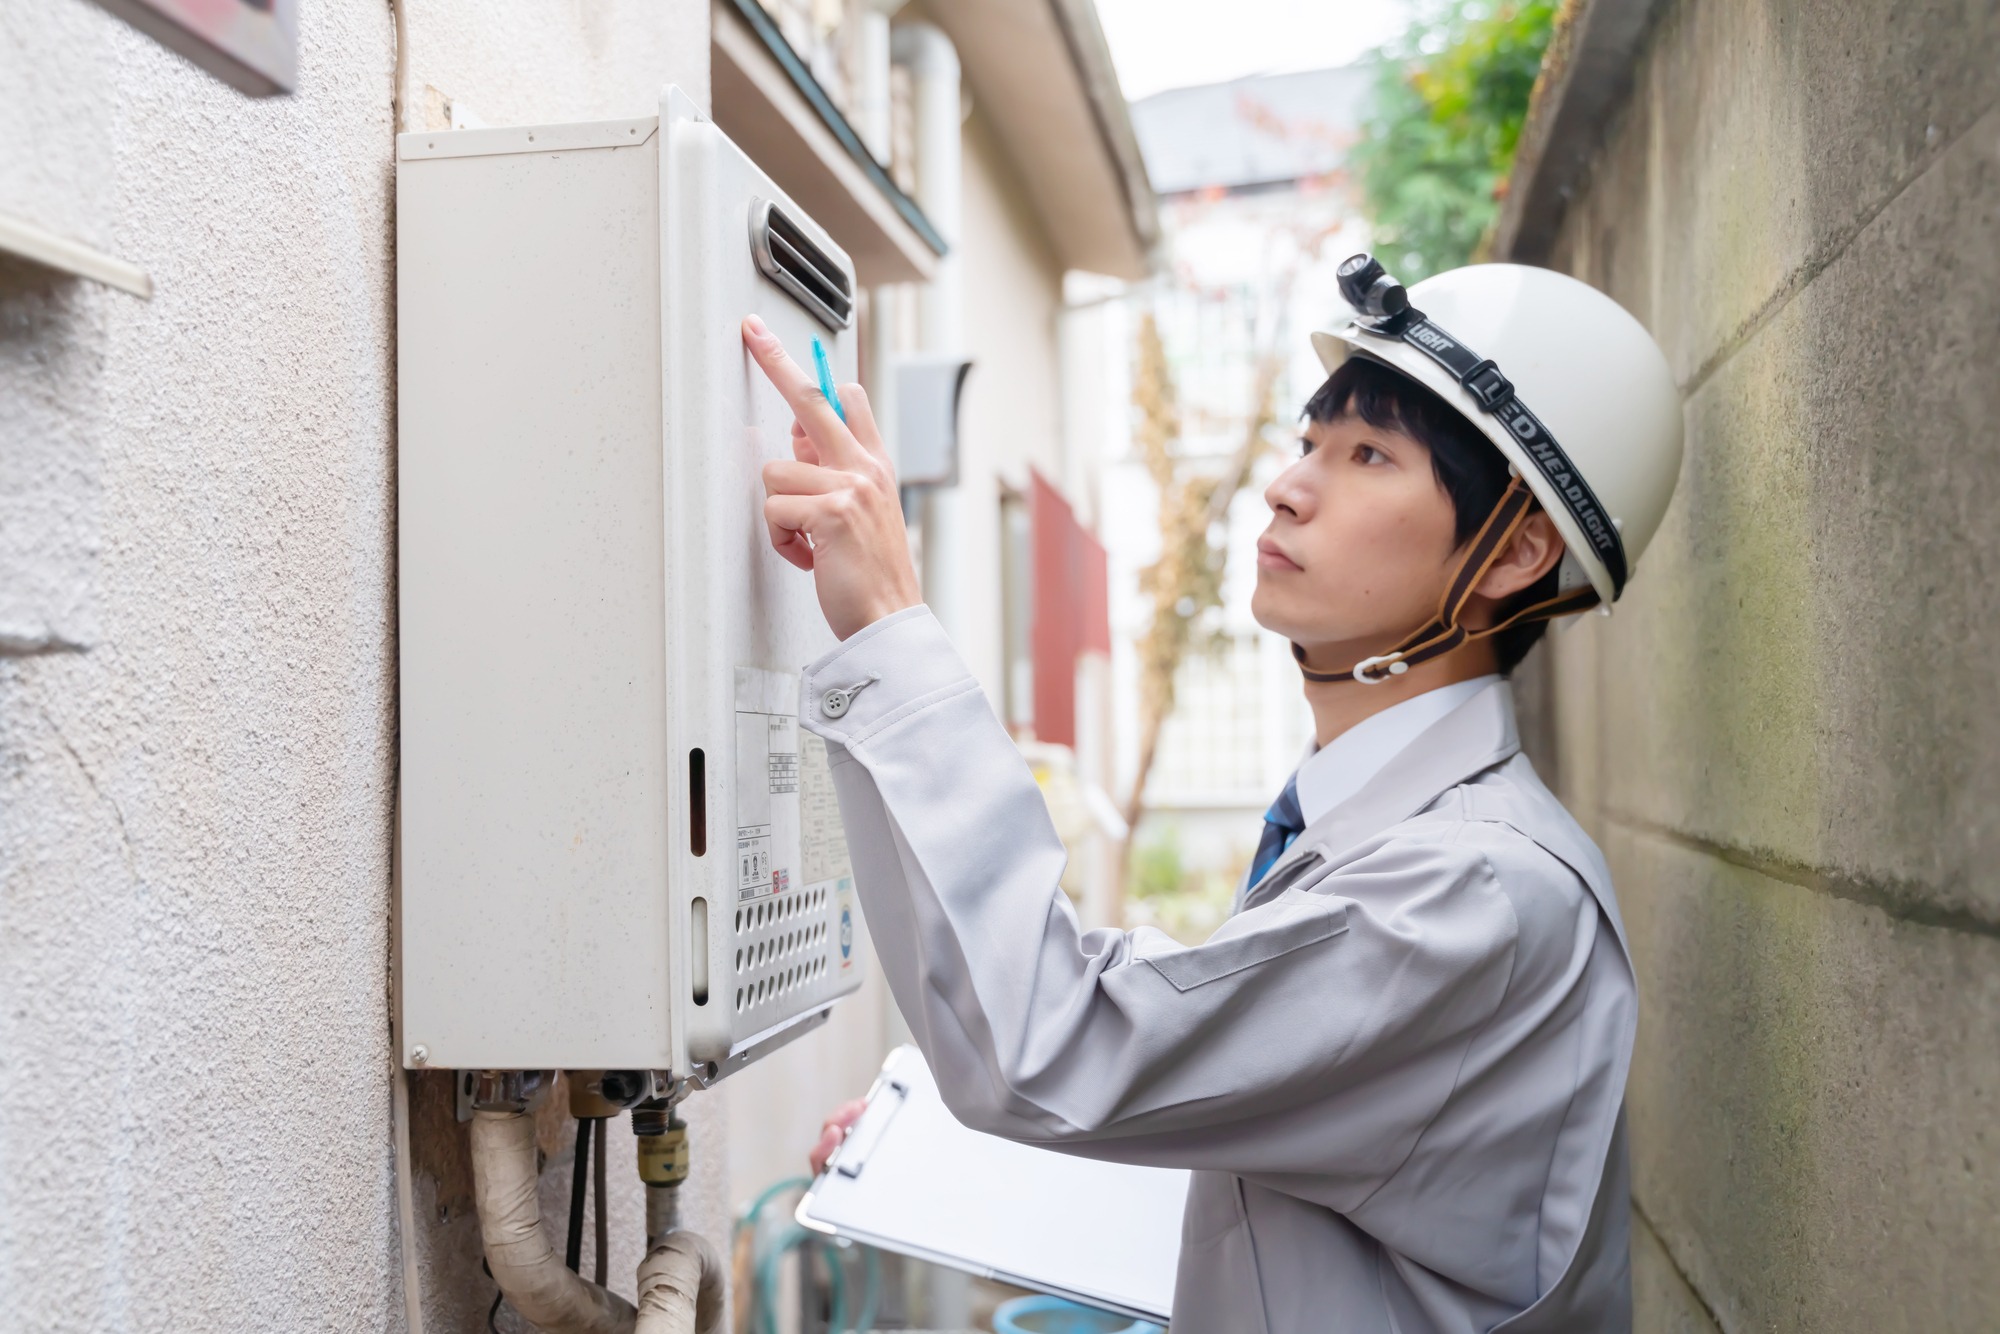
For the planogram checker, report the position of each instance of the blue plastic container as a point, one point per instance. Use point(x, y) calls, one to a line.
point(1053, 1315)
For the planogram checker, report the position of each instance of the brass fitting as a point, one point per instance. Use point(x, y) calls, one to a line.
point(663, 1144)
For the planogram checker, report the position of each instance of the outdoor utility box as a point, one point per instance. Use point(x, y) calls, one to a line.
point(618, 848)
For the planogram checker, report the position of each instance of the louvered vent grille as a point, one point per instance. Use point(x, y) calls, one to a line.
point(792, 260)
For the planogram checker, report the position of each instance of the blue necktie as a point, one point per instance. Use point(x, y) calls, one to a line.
point(1282, 823)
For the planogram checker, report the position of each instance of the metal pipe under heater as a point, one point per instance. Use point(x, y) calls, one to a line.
point(529, 1270)
point(681, 1279)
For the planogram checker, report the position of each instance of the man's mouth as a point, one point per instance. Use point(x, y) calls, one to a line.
point(1271, 556)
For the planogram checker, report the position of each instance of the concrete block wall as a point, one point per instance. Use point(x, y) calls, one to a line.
point(1788, 738)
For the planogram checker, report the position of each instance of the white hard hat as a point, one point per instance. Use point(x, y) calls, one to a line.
point(1569, 387)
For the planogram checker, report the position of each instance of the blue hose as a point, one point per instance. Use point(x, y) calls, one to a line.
point(768, 1257)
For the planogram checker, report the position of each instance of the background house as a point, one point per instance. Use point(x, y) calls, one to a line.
point(1256, 211)
point(1004, 123)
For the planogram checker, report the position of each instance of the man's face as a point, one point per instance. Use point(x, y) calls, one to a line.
point(1360, 542)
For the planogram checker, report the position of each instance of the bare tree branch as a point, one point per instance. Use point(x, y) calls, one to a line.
point(1187, 578)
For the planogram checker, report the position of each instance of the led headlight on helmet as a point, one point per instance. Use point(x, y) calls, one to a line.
point(1370, 290)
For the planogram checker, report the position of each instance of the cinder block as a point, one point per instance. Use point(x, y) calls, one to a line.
point(1804, 668)
point(1760, 135)
point(1815, 1102)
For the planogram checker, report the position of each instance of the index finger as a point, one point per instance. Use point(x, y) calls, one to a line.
point(836, 444)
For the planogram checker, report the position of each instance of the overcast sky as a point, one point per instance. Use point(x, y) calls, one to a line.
point(1160, 44)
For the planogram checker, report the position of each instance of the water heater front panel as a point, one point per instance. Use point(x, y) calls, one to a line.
point(760, 860)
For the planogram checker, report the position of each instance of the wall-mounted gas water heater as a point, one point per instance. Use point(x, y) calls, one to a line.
point(619, 850)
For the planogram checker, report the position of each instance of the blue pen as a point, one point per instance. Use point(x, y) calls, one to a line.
point(825, 369)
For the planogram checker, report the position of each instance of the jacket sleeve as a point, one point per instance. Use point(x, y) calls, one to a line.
point(1327, 1025)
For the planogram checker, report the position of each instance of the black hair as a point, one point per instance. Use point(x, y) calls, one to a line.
point(1467, 466)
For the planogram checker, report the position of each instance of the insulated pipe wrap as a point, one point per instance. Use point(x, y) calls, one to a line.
point(524, 1264)
point(680, 1287)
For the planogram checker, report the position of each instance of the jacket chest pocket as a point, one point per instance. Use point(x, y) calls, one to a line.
point(1292, 921)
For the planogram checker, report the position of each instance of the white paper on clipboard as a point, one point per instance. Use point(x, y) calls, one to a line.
point(911, 1179)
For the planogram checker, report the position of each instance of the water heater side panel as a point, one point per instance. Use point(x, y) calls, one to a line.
point(534, 926)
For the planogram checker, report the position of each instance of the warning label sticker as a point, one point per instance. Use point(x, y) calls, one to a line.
point(844, 926)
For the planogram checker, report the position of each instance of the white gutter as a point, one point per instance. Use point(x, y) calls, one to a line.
point(874, 119)
point(875, 123)
point(936, 94)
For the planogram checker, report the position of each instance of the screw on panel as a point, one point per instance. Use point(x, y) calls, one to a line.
point(420, 1055)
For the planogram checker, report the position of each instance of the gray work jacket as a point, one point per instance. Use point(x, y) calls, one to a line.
point(1397, 1071)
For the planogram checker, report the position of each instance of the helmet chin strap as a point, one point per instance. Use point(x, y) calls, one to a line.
point(1442, 633)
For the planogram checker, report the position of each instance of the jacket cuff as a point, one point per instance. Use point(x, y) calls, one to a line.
point(879, 672)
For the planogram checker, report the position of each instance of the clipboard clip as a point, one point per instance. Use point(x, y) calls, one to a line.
point(883, 1104)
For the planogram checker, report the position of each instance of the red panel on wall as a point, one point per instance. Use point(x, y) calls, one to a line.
point(1072, 608)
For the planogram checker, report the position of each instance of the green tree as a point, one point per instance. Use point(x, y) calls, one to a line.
point(1435, 150)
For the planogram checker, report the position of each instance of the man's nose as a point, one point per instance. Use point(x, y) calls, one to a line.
point(1291, 492)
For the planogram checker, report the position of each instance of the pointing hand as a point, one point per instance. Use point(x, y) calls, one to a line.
point(833, 508)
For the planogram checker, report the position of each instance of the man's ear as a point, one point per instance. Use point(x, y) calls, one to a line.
point(1534, 551)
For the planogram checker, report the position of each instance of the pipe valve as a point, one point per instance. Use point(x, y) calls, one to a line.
point(505, 1090)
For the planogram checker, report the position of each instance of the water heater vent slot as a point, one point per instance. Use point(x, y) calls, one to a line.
point(792, 260)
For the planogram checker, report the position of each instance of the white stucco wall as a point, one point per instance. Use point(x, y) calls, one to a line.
point(197, 654)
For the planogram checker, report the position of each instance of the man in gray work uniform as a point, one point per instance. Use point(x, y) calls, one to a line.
point(1397, 1072)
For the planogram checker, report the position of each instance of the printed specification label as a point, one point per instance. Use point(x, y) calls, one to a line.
point(824, 848)
point(767, 782)
point(824, 840)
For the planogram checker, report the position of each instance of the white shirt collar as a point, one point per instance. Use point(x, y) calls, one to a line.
point(1342, 767)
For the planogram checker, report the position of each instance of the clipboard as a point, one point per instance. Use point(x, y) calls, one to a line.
point(909, 1178)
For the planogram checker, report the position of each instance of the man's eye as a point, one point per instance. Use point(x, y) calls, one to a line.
point(1305, 446)
point(1369, 454)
